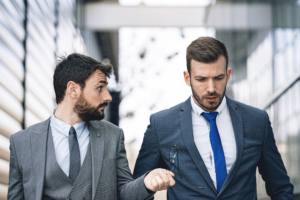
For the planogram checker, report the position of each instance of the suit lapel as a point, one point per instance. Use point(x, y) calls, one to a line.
point(237, 123)
point(97, 134)
point(188, 136)
point(38, 150)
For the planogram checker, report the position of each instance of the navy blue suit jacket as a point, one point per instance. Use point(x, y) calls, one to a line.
point(255, 148)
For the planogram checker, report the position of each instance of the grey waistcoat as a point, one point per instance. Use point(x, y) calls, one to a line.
point(57, 184)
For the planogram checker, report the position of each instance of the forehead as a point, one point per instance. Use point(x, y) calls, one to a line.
point(97, 76)
point(208, 69)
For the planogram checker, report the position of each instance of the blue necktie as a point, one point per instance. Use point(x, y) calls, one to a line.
point(215, 140)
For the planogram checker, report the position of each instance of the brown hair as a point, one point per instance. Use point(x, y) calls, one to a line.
point(207, 50)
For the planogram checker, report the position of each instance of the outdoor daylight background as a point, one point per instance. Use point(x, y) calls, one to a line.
point(146, 41)
point(152, 62)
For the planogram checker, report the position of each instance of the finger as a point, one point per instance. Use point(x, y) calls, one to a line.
point(165, 178)
point(171, 173)
point(160, 183)
point(172, 181)
point(154, 185)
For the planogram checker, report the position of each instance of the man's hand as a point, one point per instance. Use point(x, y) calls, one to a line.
point(159, 179)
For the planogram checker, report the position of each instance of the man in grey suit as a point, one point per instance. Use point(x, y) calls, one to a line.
point(73, 154)
point(213, 144)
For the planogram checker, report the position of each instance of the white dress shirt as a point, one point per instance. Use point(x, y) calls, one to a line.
point(201, 129)
point(60, 133)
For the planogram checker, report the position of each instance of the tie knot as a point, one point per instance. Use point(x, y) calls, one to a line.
point(72, 131)
point(210, 116)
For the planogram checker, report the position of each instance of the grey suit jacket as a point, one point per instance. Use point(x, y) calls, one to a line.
point(112, 178)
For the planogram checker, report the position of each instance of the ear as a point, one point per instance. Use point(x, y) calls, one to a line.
point(228, 74)
point(73, 90)
point(187, 78)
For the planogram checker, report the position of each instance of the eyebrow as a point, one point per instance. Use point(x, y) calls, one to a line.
point(199, 76)
point(105, 82)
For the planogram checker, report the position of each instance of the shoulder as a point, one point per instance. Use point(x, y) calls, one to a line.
point(26, 133)
point(168, 113)
point(247, 110)
point(20, 142)
point(109, 125)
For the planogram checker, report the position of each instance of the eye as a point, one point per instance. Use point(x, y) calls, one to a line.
point(201, 79)
point(100, 88)
point(219, 78)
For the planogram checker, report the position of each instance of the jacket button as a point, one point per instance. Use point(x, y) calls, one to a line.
point(98, 134)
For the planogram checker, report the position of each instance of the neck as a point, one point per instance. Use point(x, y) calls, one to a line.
point(65, 113)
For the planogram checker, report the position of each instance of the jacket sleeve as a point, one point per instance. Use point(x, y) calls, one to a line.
point(15, 189)
point(272, 169)
point(149, 157)
point(128, 188)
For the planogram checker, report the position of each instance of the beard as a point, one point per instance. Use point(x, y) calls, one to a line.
point(209, 106)
point(87, 112)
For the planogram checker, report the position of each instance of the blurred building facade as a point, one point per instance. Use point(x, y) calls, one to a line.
point(273, 84)
point(33, 33)
point(264, 57)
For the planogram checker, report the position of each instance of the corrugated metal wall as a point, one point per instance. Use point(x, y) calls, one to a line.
point(40, 60)
point(33, 33)
point(12, 55)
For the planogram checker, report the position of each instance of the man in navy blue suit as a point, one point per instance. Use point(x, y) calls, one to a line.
point(213, 144)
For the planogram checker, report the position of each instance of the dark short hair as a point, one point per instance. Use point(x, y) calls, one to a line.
point(77, 68)
point(207, 50)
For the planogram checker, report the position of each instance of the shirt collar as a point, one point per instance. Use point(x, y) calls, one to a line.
point(198, 110)
point(64, 128)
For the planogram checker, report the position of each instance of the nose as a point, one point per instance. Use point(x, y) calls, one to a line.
point(211, 86)
point(107, 96)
